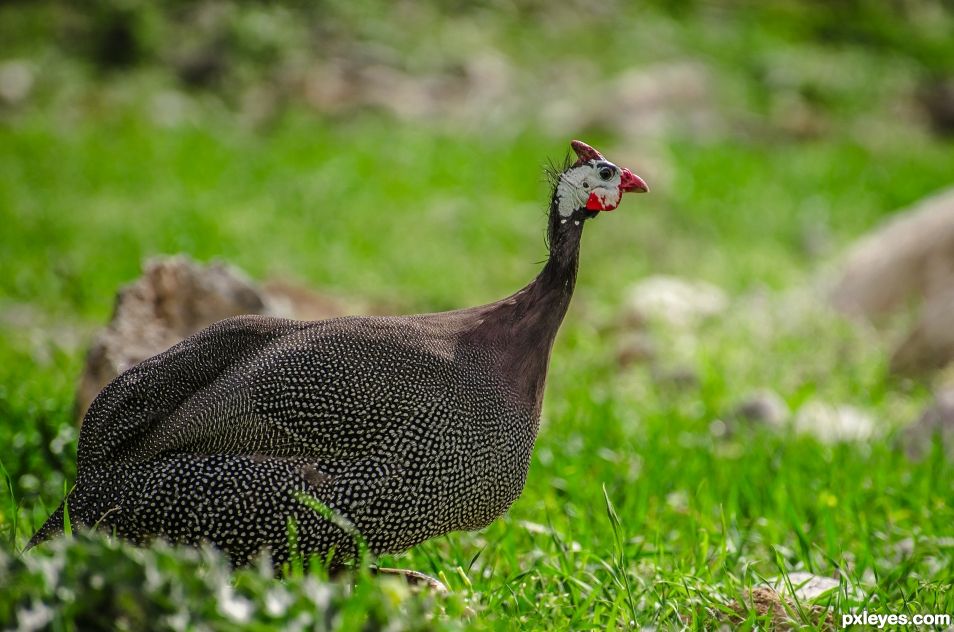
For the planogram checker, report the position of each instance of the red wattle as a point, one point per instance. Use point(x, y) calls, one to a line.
point(594, 203)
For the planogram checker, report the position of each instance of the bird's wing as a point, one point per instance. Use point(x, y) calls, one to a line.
point(333, 390)
point(141, 398)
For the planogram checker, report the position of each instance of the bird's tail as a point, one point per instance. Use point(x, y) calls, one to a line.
point(54, 526)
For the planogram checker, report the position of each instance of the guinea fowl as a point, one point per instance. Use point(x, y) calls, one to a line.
point(382, 430)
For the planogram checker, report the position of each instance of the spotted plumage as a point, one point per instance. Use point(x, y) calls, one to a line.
point(382, 431)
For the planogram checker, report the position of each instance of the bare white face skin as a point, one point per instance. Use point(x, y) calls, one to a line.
point(594, 185)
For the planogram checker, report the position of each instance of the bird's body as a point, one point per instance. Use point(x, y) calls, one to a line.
point(383, 430)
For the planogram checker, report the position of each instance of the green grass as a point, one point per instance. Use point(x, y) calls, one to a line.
point(639, 507)
point(700, 517)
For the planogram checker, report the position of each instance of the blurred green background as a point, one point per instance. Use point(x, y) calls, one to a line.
point(394, 151)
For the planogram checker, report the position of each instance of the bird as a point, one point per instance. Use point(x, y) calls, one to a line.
point(333, 437)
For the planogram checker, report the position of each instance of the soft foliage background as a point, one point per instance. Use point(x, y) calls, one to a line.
point(394, 151)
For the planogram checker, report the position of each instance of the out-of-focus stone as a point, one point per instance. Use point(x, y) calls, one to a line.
point(42, 331)
point(929, 345)
point(656, 98)
point(910, 260)
point(176, 297)
point(833, 423)
point(912, 256)
point(291, 300)
point(674, 301)
point(937, 99)
point(635, 348)
point(679, 377)
point(16, 81)
point(763, 407)
point(647, 101)
point(479, 88)
point(937, 420)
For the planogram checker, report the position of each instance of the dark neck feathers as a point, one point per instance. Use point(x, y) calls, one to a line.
point(524, 325)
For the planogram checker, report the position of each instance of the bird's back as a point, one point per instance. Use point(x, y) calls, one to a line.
point(400, 427)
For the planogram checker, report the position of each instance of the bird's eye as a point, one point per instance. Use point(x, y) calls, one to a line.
point(606, 173)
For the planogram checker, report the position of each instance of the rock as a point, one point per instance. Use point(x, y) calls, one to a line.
point(904, 549)
point(674, 301)
point(806, 586)
point(16, 81)
point(833, 423)
point(677, 377)
point(767, 602)
point(170, 108)
point(479, 88)
point(174, 298)
point(414, 579)
point(937, 420)
point(643, 102)
point(937, 98)
point(290, 300)
point(929, 345)
point(635, 348)
point(763, 407)
point(43, 332)
point(923, 546)
point(909, 257)
point(778, 602)
point(908, 261)
point(659, 97)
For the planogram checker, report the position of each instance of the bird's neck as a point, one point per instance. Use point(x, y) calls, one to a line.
point(527, 322)
point(549, 294)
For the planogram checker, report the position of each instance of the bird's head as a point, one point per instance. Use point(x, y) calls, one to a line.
point(591, 184)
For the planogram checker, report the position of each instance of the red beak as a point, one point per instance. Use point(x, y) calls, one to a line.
point(631, 182)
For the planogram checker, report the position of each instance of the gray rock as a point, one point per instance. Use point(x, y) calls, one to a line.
point(911, 256)
point(635, 347)
point(174, 298)
point(677, 377)
point(910, 260)
point(937, 99)
point(645, 101)
point(806, 586)
point(674, 301)
point(766, 602)
point(929, 345)
point(937, 420)
point(16, 81)
point(834, 423)
point(765, 407)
